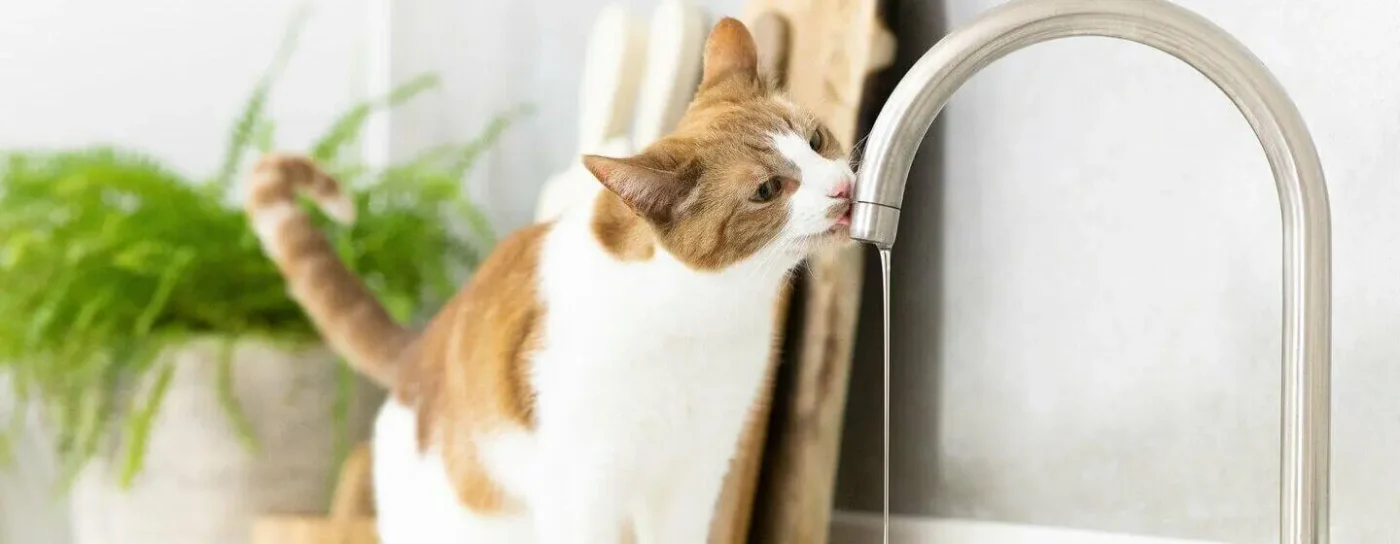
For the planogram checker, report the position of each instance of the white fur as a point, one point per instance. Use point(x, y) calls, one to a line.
point(820, 176)
point(267, 221)
point(270, 219)
point(340, 208)
point(414, 498)
point(645, 377)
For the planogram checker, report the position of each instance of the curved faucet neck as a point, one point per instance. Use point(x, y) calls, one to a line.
point(907, 115)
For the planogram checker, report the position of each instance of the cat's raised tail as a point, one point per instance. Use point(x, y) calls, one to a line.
point(347, 315)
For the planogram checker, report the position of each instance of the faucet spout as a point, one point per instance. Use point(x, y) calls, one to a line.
point(1298, 176)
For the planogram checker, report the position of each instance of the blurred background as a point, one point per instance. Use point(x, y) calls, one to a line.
point(1087, 286)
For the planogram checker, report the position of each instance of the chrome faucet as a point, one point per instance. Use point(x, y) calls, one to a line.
point(1307, 283)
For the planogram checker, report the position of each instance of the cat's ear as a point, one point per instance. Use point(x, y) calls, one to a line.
point(729, 52)
point(653, 193)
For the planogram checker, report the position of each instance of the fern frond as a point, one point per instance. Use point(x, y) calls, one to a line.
point(250, 119)
point(346, 130)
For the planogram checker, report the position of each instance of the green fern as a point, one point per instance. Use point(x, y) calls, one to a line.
point(250, 120)
point(346, 130)
point(107, 256)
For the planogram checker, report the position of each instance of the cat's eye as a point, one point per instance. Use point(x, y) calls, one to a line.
point(768, 190)
point(817, 140)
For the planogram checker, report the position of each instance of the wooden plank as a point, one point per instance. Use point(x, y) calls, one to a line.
point(351, 519)
point(842, 42)
point(613, 67)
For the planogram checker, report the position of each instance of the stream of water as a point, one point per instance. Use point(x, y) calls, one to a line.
point(885, 283)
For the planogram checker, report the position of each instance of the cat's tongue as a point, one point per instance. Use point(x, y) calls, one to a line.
point(845, 219)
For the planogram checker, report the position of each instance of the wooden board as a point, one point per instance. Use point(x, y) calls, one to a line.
point(637, 75)
point(351, 519)
point(837, 45)
point(613, 65)
point(675, 49)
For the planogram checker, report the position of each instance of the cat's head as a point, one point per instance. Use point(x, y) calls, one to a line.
point(747, 173)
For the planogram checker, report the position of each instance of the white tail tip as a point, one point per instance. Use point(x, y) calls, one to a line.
point(340, 208)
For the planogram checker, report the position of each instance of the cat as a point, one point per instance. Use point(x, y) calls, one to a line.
point(590, 383)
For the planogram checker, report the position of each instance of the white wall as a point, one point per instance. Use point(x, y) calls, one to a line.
point(1087, 287)
point(167, 77)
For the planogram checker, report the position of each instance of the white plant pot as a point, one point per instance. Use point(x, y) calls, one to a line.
point(200, 484)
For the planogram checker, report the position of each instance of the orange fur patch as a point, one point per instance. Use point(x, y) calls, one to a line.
point(619, 230)
point(470, 374)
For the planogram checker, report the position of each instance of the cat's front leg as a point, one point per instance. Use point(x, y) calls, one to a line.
point(681, 512)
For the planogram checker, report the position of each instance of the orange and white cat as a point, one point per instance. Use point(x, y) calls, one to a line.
point(591, 382)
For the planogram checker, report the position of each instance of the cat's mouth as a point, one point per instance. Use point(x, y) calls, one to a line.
point(841, 229)
point(843, 218)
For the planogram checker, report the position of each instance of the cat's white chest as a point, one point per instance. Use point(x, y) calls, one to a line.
point(644, 377)
point(651, 353)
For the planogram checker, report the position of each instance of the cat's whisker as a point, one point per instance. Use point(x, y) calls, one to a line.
point(768, 259)
point(780, 259)
point(857, 152)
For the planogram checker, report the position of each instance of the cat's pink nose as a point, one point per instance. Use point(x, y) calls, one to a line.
point(842, 190)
